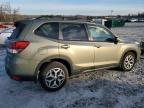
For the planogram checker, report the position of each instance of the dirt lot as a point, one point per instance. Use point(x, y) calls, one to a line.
point(101, 89)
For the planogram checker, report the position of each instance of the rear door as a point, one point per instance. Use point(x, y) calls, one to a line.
point(75, 46)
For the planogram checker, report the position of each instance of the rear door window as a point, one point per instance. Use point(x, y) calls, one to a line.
point(74, 32)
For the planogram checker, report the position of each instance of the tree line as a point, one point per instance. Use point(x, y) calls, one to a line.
point(10, 14)
point(7, 13)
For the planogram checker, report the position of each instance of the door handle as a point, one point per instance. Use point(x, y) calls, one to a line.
point(97, 46)
point(65, 46)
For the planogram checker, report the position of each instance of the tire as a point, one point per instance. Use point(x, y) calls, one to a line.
point(54, 76)
point(128, 61)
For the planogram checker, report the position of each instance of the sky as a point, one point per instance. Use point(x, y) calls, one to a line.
point(77, 7)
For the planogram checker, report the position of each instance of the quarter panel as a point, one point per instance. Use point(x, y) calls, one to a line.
point(39, 49)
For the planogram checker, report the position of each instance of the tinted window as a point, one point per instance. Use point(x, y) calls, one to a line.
point(49, 30)
point(75, 32)
point(100, 34)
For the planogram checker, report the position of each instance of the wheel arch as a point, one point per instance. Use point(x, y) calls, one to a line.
point(46, 61)
point(127, 51)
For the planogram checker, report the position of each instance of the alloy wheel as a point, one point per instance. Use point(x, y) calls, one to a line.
point(55, 78)
point(129, 62)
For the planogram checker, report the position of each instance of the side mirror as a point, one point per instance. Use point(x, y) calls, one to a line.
point(116, 40)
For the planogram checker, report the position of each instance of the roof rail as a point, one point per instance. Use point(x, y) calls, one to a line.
point(59, 17)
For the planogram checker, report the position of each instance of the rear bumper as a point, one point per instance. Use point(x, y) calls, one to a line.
point(19, 69)
point(19, 77)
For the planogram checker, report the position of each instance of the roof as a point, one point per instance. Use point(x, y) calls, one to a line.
point(68, 19)
point(45, 21)
point(40, 21)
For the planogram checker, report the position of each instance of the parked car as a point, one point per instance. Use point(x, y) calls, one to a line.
point(51, 51)
point(134, 20)
point(2, 26)
point(4, 34)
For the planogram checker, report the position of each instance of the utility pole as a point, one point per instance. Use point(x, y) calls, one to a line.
point(111, 12)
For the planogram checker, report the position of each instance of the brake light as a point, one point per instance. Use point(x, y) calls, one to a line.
point(17, 46)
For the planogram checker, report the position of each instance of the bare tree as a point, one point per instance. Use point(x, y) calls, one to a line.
point(7, 13)
point(15, 13)
point(7, 8)
point(1, 12)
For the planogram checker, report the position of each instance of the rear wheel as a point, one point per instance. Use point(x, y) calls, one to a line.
point(54, 76)
point(128, 61)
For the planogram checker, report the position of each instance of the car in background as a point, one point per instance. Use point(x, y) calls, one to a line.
point(3, 26)
point(4, 34)
point(134, 20)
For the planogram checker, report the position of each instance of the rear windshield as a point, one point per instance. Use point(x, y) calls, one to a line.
point(17, 31)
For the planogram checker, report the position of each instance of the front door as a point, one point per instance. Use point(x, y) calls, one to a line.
point(106, 51)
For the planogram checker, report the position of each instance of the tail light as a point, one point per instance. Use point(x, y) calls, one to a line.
point(17, 46)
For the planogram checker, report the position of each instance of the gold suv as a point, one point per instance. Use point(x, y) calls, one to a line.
point(51, 51)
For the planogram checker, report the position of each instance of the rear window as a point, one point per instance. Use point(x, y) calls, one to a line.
point(48, 30)
point(17, 31)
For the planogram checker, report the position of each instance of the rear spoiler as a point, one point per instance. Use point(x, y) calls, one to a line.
point(21, 22)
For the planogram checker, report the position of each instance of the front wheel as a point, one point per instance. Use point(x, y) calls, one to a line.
point(54, 76)
point(128, 61)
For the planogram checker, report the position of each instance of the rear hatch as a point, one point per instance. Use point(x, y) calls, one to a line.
point(15, 43)
point(19, 27)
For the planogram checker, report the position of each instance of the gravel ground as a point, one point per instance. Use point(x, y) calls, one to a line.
point(100, 89)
